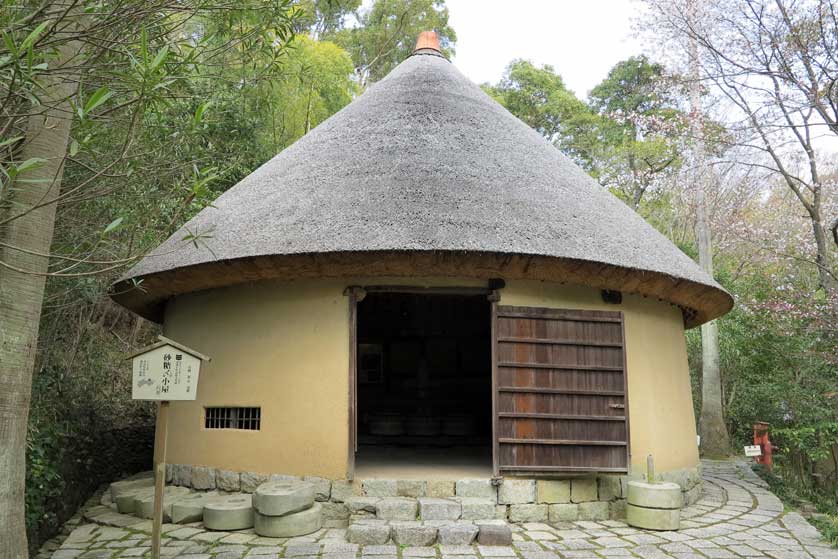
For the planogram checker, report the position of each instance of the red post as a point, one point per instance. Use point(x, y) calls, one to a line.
point(761, 439)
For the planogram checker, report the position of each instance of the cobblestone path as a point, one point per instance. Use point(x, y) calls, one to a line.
point(736, 518)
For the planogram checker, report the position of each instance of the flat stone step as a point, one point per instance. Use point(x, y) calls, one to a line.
point(126, 501)
point(144, 503)
point(423, 508)
point(374, 531)
point(191, 507)
point(118, 488)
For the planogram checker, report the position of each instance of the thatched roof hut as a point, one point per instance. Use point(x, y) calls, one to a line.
point(425, 285)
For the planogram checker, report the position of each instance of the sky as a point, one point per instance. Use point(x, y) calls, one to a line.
point(581, 39)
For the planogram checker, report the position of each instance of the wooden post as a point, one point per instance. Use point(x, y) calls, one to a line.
point(494, 298)
point(160, 436)
point(650, 469)
point(355, 295)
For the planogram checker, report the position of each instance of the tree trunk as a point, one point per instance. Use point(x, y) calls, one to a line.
point(22, 292)
point(823, 260)
point(715, 441)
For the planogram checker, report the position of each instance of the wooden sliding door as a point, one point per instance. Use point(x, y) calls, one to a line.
point(560, 391)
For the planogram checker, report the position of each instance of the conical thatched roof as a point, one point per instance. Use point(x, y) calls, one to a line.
point(423, 174)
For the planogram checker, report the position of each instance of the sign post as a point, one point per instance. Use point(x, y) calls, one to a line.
point(161, 433)
point(163, 372)
point(753, 450)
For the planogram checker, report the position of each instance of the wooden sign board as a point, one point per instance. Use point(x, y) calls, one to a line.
point(165, 371)
point(753, 450)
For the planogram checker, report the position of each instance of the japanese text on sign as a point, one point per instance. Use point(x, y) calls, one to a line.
point(165, 373)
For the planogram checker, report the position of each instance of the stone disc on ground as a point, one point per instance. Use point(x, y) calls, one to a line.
point(653, 519)
point(144, 506)
point(230, 512)
point(118, 488)
point(657, 495)
point(126, 501)
point(191, 507)
point(289, 525)
point(277, 498)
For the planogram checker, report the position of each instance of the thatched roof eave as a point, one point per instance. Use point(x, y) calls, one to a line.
point(699, 302)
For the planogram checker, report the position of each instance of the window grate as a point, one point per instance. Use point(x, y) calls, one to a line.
point(233, 418)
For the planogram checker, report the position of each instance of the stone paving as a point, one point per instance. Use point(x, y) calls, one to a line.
point(736, 518)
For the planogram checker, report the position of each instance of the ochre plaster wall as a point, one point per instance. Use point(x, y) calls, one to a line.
point(284, 346)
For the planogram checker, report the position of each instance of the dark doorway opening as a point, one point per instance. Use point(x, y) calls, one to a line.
point(424, 388)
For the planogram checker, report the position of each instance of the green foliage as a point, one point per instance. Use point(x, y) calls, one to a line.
point(325, 16)
point(633, 86)
point(44, 482)
point(539, 97)
point(79, 393)
point(628, 135)
point(317, 82)
point(828, 527)
point(826, 518)
point(168, 118)
point(386, 34)
point(777, 358)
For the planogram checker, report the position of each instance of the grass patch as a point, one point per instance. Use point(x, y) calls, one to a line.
point(828, 526)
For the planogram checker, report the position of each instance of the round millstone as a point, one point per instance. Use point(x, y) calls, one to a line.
point(289, 525)
point(118, 488)
point(144, 505)
point(126, 501)
point(191, 507)
point(653, 519)
point(278, 498)
point(231, 512)
point(659, 495)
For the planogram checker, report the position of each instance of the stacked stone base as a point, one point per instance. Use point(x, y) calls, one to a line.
point(598, 497)
point(284, 509)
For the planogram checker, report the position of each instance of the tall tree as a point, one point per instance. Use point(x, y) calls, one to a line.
point(715, 441)
point(66, 69)
point(642, 127)
point(386, 34)
point(539, 97)
point(628, 134)
point(316, 83)
point(774, 63)
point(30, 192)
point(323, 17)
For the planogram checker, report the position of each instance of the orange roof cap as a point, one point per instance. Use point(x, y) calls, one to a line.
point(427, 40)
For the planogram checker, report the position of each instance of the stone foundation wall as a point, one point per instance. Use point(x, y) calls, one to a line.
point(515, 499)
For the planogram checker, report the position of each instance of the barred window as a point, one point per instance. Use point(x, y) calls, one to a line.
point(233, 418)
